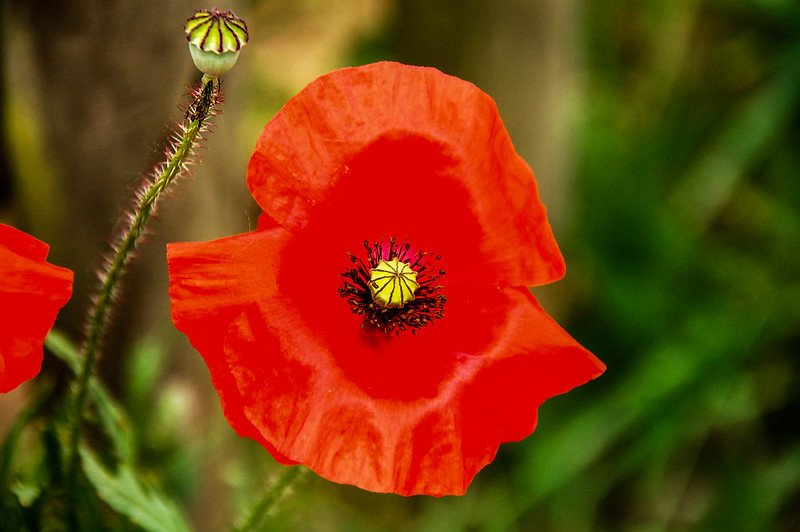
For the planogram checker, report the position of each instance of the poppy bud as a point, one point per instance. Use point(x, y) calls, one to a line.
point(215, 38)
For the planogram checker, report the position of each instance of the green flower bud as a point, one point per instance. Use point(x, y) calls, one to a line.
point(215, 38)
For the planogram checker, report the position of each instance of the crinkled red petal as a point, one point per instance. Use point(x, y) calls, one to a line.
point(210, 285)
point(31, 294)
point(357, 424)
point(403, 142)
point(410, 414)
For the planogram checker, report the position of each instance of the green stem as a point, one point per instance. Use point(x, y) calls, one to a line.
point(197, 113)
point(270, 498)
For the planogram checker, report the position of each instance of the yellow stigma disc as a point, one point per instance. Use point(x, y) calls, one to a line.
point(392, 283)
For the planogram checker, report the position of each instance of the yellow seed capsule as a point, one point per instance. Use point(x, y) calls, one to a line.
point(392, 283)
point(215, 39)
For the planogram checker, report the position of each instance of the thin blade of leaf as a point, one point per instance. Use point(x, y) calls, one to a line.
point(113, 420)
point(123, 491)
point(62, 348)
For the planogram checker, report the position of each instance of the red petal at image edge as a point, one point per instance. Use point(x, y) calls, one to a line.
point(31, 294)
point(23, 244)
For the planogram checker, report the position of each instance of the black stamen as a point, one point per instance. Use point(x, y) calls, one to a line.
point(427, 304)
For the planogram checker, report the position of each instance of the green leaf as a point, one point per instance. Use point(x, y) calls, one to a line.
point(62, 348)
point(26, 493)
point(144, 367)
point(113, 419)
point(114, 423)
point(125, 493)
point(24, 418)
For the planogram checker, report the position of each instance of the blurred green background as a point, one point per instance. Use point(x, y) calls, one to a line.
point(665, 135)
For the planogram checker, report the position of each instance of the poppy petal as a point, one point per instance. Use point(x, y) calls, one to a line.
point(501, 405)
point(312, 409)
point(337, 130)
point(31, 294)
point(23, 244)
point(210, 284)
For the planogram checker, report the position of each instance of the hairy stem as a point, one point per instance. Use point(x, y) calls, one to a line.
point(270, 498)
point(196, 115)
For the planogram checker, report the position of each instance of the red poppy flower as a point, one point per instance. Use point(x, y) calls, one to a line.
point(31, 294)
point(377, 326)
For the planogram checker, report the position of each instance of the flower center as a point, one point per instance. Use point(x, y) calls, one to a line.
point(392, 283)
point(394, 289)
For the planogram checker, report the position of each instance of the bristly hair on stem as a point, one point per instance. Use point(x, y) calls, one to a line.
point(273, 495)
point(205, 99)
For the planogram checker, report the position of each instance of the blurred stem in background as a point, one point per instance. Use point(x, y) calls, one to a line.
point(522, 53)
point(525, 55)
point(6, 178)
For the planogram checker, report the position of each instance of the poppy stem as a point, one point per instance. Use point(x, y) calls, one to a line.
point(203, 106)
point(270, 498)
